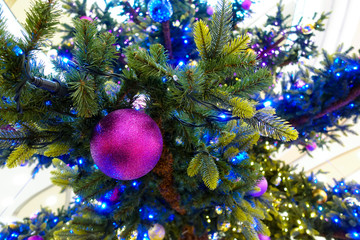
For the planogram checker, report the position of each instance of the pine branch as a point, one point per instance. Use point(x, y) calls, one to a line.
point(11, 138)
point(40, 23)
point(95, 185)
point(235, 46)
point(64, 175)
point(272, 126)
point(242, 108)
point(144, 64)
point(56, 150)
point(220, 27)
point(194, 165)
point(19, 156)
point(84, 96)
point(250, 85)
point(246, 137)
point(202, 39)
point(353, 94)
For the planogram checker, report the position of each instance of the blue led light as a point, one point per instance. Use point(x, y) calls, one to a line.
point(240, 157)
point(48, 103)
point(287, 96)
point(338, 74)
point(357, 191)
point(336, 220)
point(342, 184)
point(186, 41)
point(151, 216)
point(65, 59)
point(352, 105)
point(78, 200)
point(267, 103)
point(80, 161)
point(355, 234)
point(181, 63)
point(96, 167)
point(355, 68)
point(14, 235)
point(320, 208)
point(55, 220)
point(336, 190)
point(103, 205)
point(18, 51)
point(355, 214)
point(301, 96)
point(134, 183)
point(104, 112)
point(186, 29)
point(164, 79)
point(223, 116)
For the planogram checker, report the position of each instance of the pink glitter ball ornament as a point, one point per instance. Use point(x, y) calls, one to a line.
point(263, 185)
point(126, 144)
point(210, 10)
point(87, 18)
point(263, 237)
point(246, 4)
point(36, 237)
point(311, 147)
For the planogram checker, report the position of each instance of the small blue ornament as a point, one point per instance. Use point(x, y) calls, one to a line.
point(160, 10)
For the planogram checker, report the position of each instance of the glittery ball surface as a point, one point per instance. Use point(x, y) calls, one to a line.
point(246, 4)
point(126, 144)
point(157, 232)
point(36, 237)
point(160, 10)
point(263, 185)
point(263, 237)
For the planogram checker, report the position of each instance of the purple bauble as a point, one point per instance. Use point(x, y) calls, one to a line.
point(126, 144)
point(263, 185)
point(210, 10)
point(263, 237)
point(36, 237)
point(246, 4)
point(86, 18)
point(311, 147)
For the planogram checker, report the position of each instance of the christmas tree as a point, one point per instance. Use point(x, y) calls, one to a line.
point(149, 166)
point(203, 160)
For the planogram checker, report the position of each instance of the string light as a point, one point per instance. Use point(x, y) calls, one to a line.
point(267, 104)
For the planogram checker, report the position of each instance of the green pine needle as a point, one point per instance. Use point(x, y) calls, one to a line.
point(272, 126)
point(202, 39)
point(210, 173)
point(237, 45)
point(220, 27)
point(40, 23)
point(19, 156)
point(242, 108)
point(194, 165)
